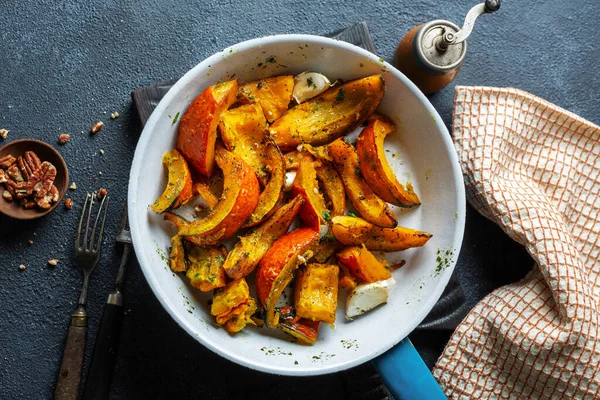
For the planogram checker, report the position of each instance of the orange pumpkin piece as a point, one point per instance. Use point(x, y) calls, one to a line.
point(205, 270)
point(328, 116)
point(198, 126)
point(276, 269)
point(273, 94)
point(370, 206)
point(316, 292)
point(333, 187)
point(177, 255)
point(353, 231)
point(232, 306)
point(179, 183)
point(363, 264)
point(203, 190)
point(272, 194)
point(247, 253)
point(243, 130)
point(347, 280)
point(313, 212)
point(239, 198)
point(304, 330)
point(375, 168)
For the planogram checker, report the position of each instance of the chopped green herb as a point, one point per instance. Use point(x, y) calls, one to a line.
point(351, 214)
point(220, 258)
point(310, 82)
point(347, 140)
point(329, 236)
point(340, 95)
point(271, 60)
point(176, 117)
point(259, 85)
point(315, 107)
point(326, 216)
point(264, 169)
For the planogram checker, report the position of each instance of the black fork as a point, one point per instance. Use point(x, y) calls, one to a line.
point(87, 254)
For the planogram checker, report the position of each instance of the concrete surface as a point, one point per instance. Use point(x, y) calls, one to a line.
point(68, 64)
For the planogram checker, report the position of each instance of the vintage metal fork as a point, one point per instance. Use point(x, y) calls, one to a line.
point(87, 254)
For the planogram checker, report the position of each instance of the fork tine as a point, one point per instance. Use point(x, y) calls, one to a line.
point(87, 225)
point(93, 237)
point(78, 238)
point(99, 245)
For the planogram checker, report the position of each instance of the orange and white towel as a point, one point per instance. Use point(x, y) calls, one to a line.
point(534, 169)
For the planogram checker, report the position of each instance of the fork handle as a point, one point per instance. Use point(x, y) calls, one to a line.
point(69, 377)
point(99, 377)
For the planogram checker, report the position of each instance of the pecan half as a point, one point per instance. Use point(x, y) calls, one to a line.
point(32, 160)
point(27, 204)
point(7, 196)
point(24, 168)
point(7, 161)
point(44, 202)
point(69, 203)
point(54, 193)
point(97, 127)
point(10, 184)
point(15, 173)
point(41, 179)
point(20, 189)
point(3, 176)
point(63, 138)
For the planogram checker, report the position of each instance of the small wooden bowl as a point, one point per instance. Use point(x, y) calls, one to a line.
point(46, 153)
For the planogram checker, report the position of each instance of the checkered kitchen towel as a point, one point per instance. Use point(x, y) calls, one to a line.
point(534, 169)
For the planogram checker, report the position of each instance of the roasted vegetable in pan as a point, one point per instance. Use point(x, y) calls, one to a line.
point(179, 183)
point(316, 292)
point(251, 248)
point(277, 267)
point(353, 231)
point(324, 118)
point(375, 168)
point(198, 126)
point(370, 206)
point(288, 238)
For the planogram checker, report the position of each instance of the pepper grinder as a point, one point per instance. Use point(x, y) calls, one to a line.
point(431, 54)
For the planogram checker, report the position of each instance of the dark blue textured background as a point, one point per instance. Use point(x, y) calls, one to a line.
point(66, 64)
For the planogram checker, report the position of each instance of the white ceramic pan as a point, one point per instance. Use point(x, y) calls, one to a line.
point(420, 151)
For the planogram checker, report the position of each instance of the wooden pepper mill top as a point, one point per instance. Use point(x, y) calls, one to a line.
point(431, 54)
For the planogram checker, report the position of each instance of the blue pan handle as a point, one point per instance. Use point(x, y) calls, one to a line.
point(405, 374)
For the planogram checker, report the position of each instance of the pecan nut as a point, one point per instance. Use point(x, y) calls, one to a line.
point(7, 161)
point(3, 176)
point(46, 202)
point(32, 160)
point(10, 184)
point(7, 196)
point(15, 173)
point(28, 204)
point(41, 179)
point(24, 168)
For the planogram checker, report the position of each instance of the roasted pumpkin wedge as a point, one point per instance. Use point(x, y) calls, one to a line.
point(198, 126)
point(354, 231)
point(305, 330)
point(241, 316)
point(333, 187)
point(243, 130)
point(324, 118)
point(375, 168)
point(247, 253)
point(239, 198)
point(276, 269)
point(205, 270)
point(177, 255)
point(363, 264)
point(316, 292)
point(313, 212)
point(370, 206)
point(203, 190)
point(292, 159)
point(347, 280)
point(232, 306)
point(273, 94)
point(325, 247)
point(179, 183)
point(272, 194)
